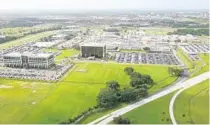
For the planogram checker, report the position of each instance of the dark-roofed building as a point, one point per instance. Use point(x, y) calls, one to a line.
point(90, 49)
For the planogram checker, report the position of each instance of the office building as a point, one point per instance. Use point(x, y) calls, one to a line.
point(89, 49)
point(29, 60)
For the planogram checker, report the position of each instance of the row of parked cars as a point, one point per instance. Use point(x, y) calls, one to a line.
point(196, 48)
point(146, 58)
point(35, 74)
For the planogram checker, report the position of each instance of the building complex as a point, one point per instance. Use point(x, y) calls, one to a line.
point(28, 60)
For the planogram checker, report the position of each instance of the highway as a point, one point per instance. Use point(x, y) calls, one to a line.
point(186, 84)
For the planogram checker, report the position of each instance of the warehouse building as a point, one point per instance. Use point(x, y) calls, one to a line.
point(90, 49)
point(29, 60)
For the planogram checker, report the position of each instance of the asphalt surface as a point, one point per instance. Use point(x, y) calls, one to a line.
point(179, 85)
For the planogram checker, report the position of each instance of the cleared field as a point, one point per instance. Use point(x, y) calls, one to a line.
point(67, 101)
point(52, 103)
point(192, 106)
point(155, 112)
point(16, 102)
point(99, 73)
point(25, 39)
point(159, 31)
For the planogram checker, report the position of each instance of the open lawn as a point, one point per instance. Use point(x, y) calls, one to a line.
point(185, 59)
point(40, 102)
point(99, 73)
point(205, 68)
point(192, 106)
point(64, 53)
point(195, 67)
point(155, 112)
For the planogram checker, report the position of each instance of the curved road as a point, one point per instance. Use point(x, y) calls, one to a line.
point(171, 106)
point(108, 118)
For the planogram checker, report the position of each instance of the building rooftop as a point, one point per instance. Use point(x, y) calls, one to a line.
point(93, 44)
point(29, 54)
point(13, 54)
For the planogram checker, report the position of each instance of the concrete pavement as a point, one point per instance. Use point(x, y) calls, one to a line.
point(108, 118)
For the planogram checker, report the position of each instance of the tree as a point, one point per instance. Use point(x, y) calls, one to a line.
point(128, 95)
point(120, 120)
point(146, 49)
point(107, 98)
point(141, 92)
point(147, 79)
point(175, 71)
point(129, 70)
point(135, 75)
point(137, 80)
point(113, 85)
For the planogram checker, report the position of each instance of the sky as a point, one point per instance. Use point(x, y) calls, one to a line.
point(104, 4)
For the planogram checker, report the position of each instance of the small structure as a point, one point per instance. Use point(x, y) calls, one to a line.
point(91, 49)
point(2, 38)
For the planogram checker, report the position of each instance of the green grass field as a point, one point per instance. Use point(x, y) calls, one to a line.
point(25, 39)
point(67, 53)
point(155, 112)
point(193, 103)
point(161, 80)
point(195, 67)
point(20, 31)
point(74, 94)
point(159, 31)
point(184, 58)
point(192, 106)
point(205, 68)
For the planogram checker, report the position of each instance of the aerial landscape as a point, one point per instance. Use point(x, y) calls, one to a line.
point(104, 62)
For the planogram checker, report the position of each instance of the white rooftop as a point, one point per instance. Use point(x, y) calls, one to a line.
point(94, 44)
point(29, 54)
point(13, 54)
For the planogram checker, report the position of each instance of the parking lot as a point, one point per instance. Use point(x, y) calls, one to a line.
point(36, 74)
point(196, 48)
point(147, 58)
point(194, 57)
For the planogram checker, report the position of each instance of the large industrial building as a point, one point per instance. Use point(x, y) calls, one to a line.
point(90, 49)
point(28, 60)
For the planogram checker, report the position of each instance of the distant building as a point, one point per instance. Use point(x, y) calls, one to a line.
point(29, 60)
point(111, 29)
point(97, 50)
point(2, 38)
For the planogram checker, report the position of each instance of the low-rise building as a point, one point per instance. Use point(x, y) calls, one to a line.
point(29, 60)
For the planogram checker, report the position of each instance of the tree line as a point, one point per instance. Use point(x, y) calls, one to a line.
point(9, 38)
point(112, 95)
point(197, 32)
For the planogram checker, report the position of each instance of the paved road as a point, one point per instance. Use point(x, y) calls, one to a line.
point(108, 118)
point(171, 106)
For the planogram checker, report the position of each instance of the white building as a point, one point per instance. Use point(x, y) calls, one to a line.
point(29, 60)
